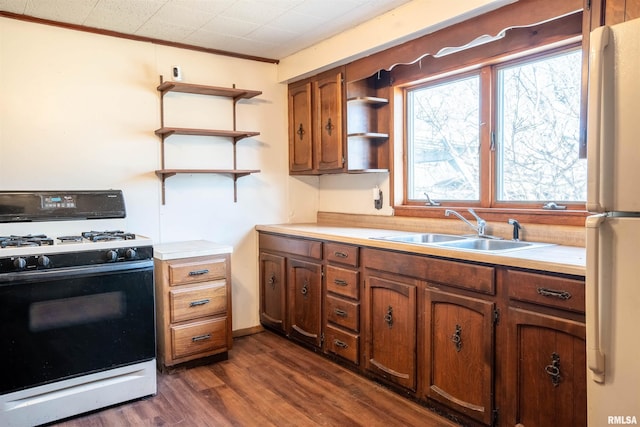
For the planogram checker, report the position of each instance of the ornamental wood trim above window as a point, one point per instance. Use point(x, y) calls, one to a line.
point(522, 14)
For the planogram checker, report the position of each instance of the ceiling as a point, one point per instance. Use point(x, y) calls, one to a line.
point(262, 28)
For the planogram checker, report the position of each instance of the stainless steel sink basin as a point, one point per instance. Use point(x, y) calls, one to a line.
point(422, 238)
point(488, 245)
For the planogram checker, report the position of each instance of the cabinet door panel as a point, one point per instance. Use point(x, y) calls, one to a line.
point(300, 128)
point(391, 330)
point(305, 293)
point(459, 352)
point(272, 291)
point(547, 360)
point(329, 138)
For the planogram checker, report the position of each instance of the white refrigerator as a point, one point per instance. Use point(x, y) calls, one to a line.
point(613, 231)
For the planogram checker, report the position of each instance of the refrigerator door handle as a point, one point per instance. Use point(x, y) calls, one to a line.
point(598, 42)
point(595, 356)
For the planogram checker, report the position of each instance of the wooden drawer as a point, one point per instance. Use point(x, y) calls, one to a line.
point(192, 302)
point(302, 247)
point(551, 291)
point(343, 282)
point(344, 344)
point(343, 313)
point(195, 270)
point(341, 254)
point(199, 337)
point(474, 277)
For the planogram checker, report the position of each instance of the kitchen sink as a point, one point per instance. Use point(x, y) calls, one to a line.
point(421, 238)
point(488, 245)
point(465, 243)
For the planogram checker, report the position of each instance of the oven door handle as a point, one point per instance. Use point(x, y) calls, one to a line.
point(8, 279)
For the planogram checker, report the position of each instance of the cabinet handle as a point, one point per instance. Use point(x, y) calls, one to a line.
point(198, 272)
point(341, 255)
point(340, 313)
point(388, 318)
point(201, 337)
point(563, 295)
point(456, 338)
point(340, 344)
point(199, 302)
point(305, 288)
point(553, 370)
point(272, 281)
point(300, 131)
point(329, 127)
point(340, 282)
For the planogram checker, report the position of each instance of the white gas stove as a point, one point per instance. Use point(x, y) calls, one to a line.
point(76, 304)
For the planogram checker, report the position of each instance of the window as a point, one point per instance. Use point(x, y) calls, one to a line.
point(525, 156)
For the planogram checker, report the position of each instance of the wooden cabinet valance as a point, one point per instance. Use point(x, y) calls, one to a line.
point(524, 13)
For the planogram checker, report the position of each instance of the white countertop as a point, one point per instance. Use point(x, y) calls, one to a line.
point(552, 258)
point(188, 249)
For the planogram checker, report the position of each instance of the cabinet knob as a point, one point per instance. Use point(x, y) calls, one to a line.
point(329, 126)
point(300, 131)
point(388, 318)
point(456, 338)
point(553, 370)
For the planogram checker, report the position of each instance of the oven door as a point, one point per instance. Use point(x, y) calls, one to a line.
point(59, 324)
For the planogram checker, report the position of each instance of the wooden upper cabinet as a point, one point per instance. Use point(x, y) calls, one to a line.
point(316, 124)
point(329, 141)
point(300, 129)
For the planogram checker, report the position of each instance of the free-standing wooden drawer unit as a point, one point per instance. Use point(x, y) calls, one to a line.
point(193, 302)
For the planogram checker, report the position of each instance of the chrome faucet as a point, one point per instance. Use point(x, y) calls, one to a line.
point(480, 228)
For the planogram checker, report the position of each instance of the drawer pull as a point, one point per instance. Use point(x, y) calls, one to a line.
point(201, 337)
point(340, 254)
point(563, 295)
point(340, 282)
point(340, 344)
point(199, 302)
point(198, 272)
point(340, 313)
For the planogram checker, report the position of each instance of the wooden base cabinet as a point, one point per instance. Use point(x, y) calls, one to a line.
point(273, 291)
point(291, 287)
point(546, 352)
point(390, 328)
point(459, 352)
point(193, 301)
point(342, 301)
point(305, 301)
point(486, 345)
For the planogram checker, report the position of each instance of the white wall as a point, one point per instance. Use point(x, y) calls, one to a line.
point(78, 111)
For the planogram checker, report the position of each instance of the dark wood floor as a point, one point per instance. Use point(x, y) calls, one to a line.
point(267, 381)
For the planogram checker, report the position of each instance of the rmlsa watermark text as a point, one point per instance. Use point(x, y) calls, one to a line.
point(622, 419)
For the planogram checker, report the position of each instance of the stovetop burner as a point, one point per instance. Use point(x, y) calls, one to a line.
point(97, 236)
point(28, 240)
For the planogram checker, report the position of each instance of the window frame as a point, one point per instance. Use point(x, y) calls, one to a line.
point(491, 209)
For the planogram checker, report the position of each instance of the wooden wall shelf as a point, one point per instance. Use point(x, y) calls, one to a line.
point(234, 135)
